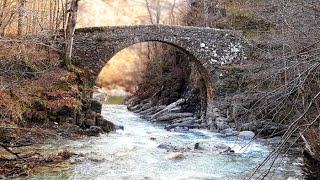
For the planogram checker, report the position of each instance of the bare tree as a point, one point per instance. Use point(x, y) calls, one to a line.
point(71, 25)
point(149, 11)
point(22, 6)
point(158, 12)
point(7, 15)
point(206, 13)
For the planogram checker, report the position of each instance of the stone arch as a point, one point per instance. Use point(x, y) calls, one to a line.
point(210, 47)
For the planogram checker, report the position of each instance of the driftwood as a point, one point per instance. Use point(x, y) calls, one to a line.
point(172, 116)
point(146, 106)
point(176, 109)
point(187, 122)
point(152, 110)
point(180, 120)
point(168, 108)
point(135, 108)
point(142, 107)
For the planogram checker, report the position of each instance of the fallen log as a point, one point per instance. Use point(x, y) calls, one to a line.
point(187, 122)
point(135, 107)
point(159, 108)
point(151, 110)
point(180, 120)
point(168, 108)
point(172, 116)
point(149, 114)
point(143, 107)
point(177, 109)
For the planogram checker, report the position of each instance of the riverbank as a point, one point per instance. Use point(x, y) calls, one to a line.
point(137, 153)
point(41, 101)
point(174, 148)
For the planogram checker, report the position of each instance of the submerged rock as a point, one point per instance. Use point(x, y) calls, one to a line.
point(119, 127)
point(246, 135)
point(180, 129)
point(199, 134)
point(229, 132)
point(173, 156)
point(165, 146)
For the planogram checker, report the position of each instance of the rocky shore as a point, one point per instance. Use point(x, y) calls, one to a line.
point(176, 119)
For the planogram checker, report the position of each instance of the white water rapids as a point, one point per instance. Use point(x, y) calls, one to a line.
point(134, 154)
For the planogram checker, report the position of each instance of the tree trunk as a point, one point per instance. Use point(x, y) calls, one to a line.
point(205, 7)
point(158, 12)
point(2, 18)
point(22, 4)
point(149, 11)
point(4, 4)
point(71, 25)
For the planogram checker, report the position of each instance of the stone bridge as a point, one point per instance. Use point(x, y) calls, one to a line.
point(93, 47)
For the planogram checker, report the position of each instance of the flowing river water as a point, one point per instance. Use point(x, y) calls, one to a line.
point(134, 154)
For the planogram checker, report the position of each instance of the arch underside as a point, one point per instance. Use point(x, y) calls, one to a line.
point(204, 73)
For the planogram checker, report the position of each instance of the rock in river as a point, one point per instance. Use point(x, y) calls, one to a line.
point(119, 127)
point(180, 129)
point(107, 126)
point(246, 135)
point(173, 156)
point(212, 146)
point(93, 131)
point(229, 132)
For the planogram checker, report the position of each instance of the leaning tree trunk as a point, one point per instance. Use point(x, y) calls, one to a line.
point(71, 25)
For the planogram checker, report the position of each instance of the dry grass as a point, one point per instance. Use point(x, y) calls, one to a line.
point(30, 74)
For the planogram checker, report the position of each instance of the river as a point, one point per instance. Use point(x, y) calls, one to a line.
point(134, 154)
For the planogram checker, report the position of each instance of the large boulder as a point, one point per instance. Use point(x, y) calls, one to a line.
point(229, 132)
point(66, 111)
point(246, 135)
point(93, 131)
point(95, 106)
point(107, 126)
point(90, 118)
